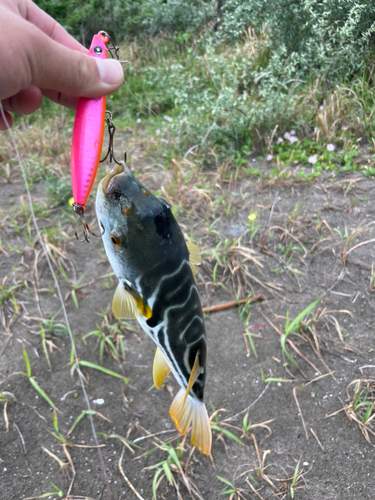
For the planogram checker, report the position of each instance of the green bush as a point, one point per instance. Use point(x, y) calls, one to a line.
point(330, 37)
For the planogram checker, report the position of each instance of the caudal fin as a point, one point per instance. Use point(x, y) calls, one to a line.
point(185, 410)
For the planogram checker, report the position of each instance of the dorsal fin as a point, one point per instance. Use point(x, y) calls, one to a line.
point(194, 256)
point(128, 304)
point(161, 369)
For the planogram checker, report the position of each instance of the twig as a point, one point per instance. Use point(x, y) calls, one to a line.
point(235, 303)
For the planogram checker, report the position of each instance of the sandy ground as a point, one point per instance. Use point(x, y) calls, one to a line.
point(334, 459)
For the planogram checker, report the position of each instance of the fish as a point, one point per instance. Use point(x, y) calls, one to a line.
point(88, 132)
point(155, 267)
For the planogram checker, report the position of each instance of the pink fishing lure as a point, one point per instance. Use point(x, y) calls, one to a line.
point(88, 135)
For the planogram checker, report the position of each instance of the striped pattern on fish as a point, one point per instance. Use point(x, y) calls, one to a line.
point(176, 324)
point(155, 268)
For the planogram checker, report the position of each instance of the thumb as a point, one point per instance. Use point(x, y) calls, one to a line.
point(56, 67)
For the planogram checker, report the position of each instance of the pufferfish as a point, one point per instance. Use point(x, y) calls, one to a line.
point(155, 268)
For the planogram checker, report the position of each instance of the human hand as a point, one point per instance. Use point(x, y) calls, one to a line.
point(40, 58)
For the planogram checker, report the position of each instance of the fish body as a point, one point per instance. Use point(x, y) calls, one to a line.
point(154, 265)
point(88, 134)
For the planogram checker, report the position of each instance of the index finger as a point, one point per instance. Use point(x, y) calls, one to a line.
point(51, 28)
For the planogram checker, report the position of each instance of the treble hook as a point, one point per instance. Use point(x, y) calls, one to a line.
point(111, 133)
point(112, 47)
point(80, 210)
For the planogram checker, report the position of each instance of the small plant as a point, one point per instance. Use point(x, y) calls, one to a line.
point(361, 408)
point(294, 327)
point(233, 492)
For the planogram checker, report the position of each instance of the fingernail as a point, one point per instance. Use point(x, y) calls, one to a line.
point(110, 71)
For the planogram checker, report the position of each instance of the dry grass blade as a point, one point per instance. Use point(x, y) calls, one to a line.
point(67, 454)
point(124, 476)
point(300, 411)
point(317, 439)
point(63, 465)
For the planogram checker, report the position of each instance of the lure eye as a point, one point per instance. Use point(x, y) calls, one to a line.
point(115, 240)
point(98, 50)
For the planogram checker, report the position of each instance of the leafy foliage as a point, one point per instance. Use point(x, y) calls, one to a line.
point(331, 37)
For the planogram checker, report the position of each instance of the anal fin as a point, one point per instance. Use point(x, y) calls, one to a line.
point(161, 368)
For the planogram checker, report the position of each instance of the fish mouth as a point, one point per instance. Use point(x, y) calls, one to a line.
point(106, 182)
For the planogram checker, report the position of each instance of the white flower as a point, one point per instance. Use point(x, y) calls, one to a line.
point(269, 157)
point(315, 130)
point(331, 147)
point(279, 140)
point(292, 139)
point(321, 107)
point(287, 135)
point(168, 118)
point(69, 129)
point(359, 139)
point(292, 132)
point(312, 159)
point(157, 131)
point(139, 120)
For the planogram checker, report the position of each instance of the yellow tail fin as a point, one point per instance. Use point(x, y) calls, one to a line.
point(186, 410)
point(161, 368)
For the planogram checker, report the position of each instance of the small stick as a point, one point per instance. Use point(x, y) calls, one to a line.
point(235, 303)
point(126, 479)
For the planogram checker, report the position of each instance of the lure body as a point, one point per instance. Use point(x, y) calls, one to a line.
point(88, 134)
point(154, 265)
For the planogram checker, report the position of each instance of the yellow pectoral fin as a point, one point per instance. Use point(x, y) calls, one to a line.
point(124, 305)
point(161, 369)
point(194, 256)
point(128, 304)
point(142, 305)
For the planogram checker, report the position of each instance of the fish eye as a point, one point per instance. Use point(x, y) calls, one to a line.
point(115, 240)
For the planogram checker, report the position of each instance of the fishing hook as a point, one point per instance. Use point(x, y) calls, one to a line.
point(111, 133)
point(112, 48)
point(79, 210)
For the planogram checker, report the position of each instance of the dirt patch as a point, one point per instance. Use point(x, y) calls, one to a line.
point(304, 250)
